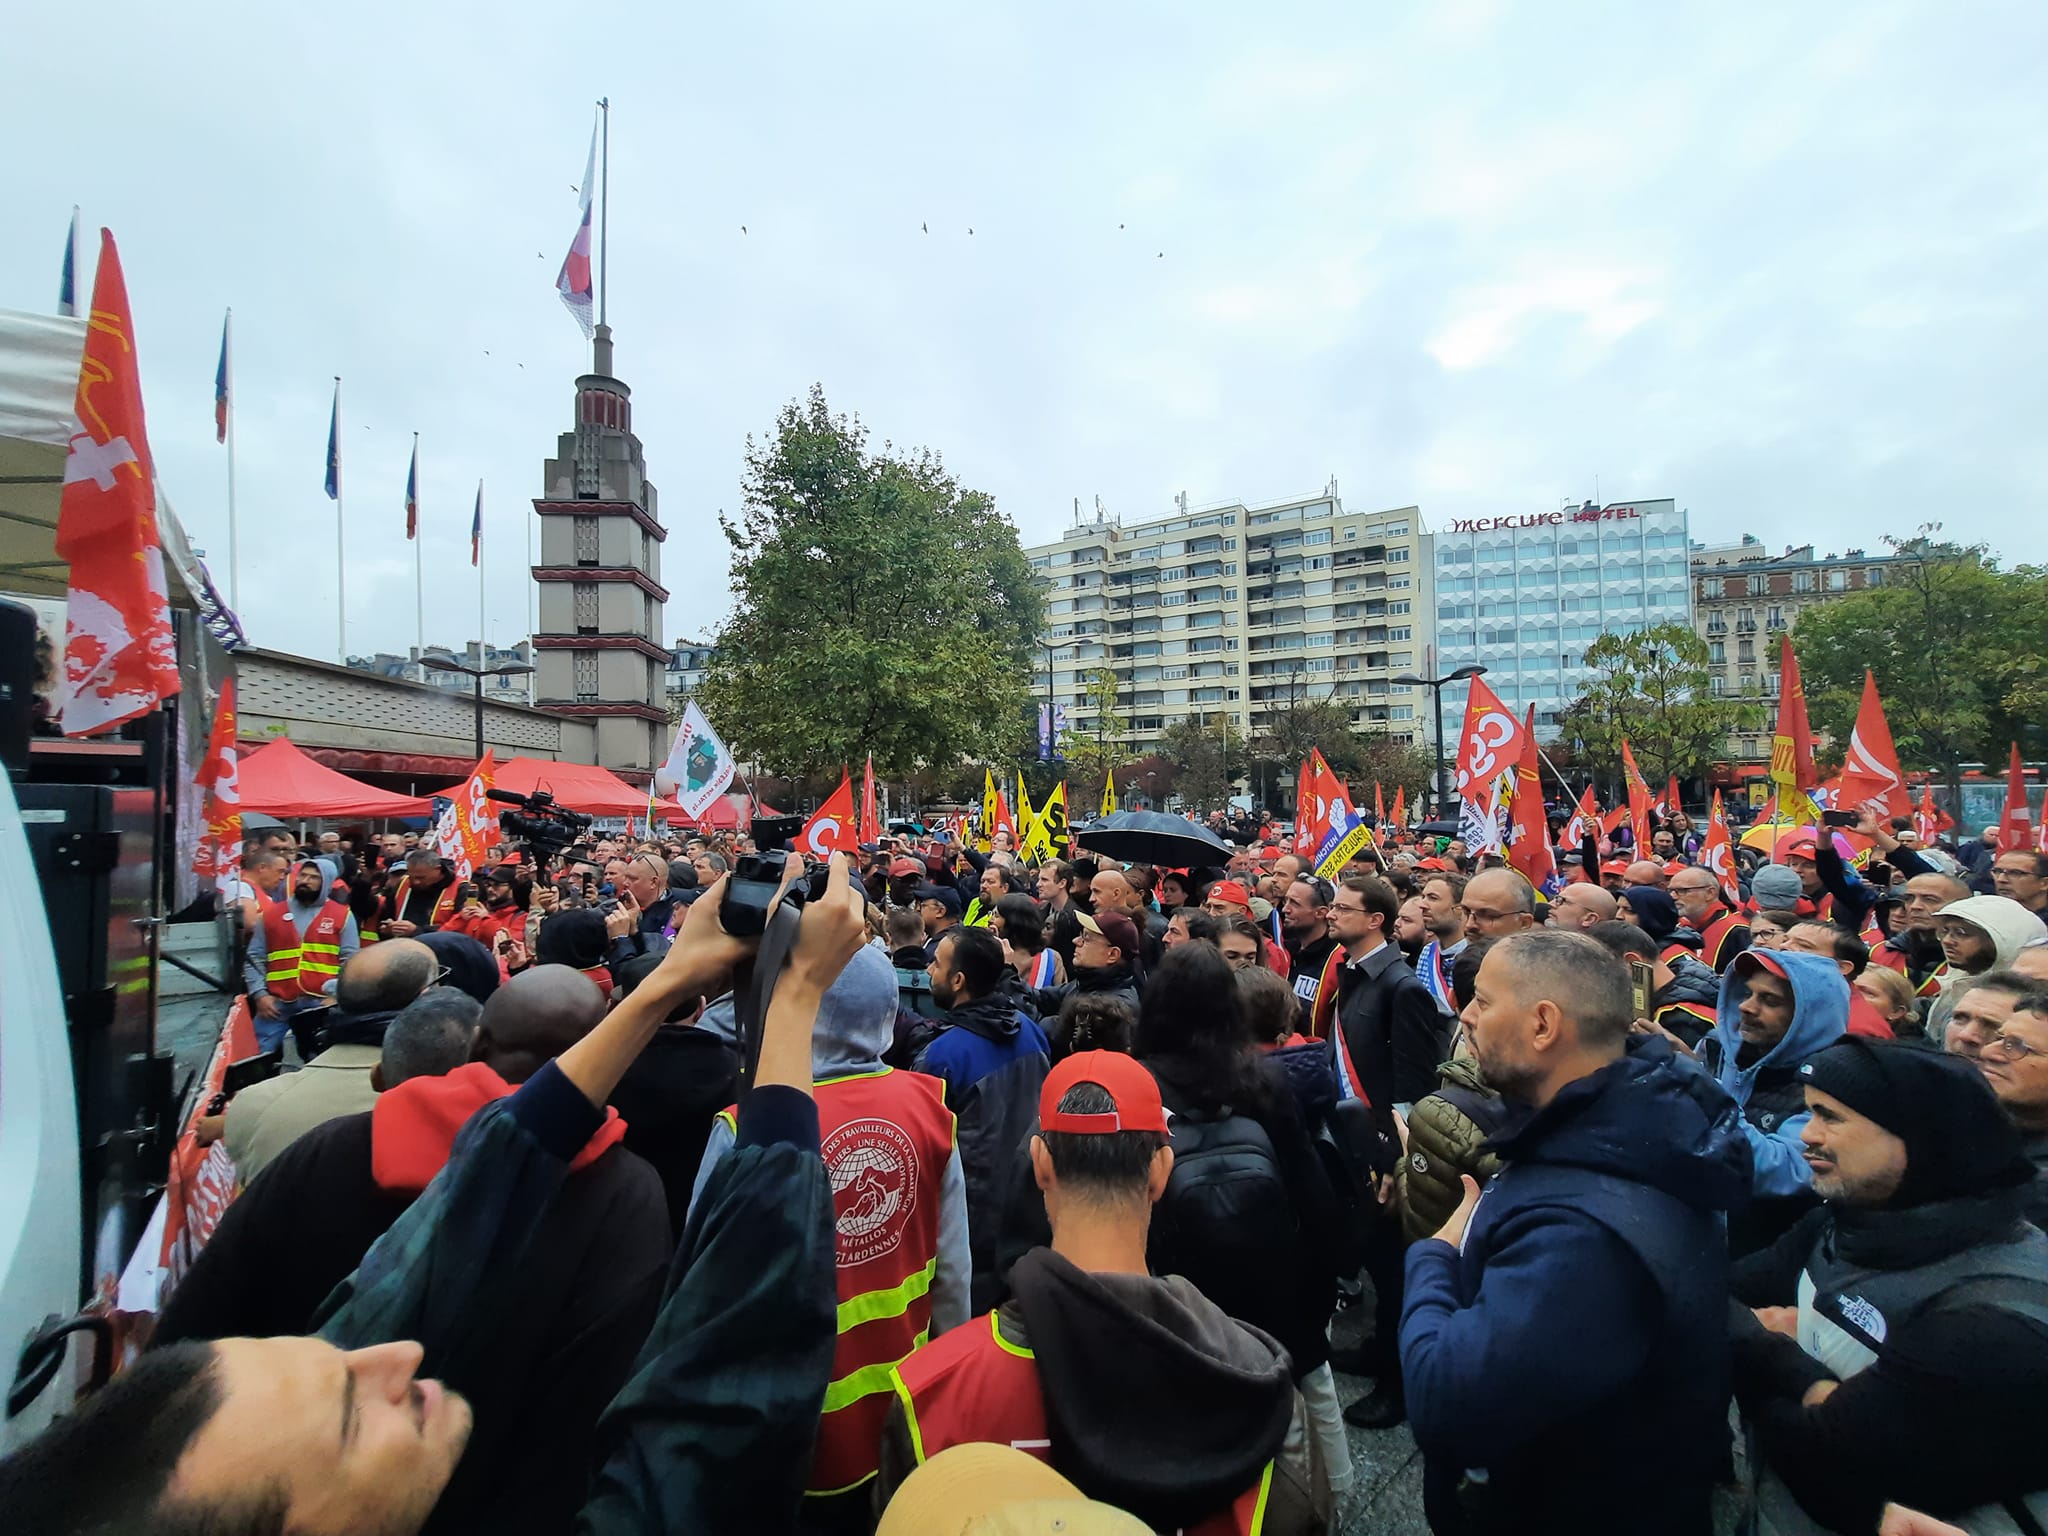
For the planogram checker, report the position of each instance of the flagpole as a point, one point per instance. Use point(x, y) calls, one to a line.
point(419, 563)
point(604, 214)
point(480, 573)
point(234, 558)
point(340, 547)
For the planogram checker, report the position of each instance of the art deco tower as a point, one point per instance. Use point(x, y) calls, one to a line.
point(598, 652)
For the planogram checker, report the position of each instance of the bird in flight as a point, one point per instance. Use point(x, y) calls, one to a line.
point(743, 229)
point(926, 227)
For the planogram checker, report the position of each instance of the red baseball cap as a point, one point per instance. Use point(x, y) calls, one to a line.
point(1437, 865)
point(1798, 845)
point(1750, 961)
point(1133, 1089)
point(904, 867)
point(1232, 892)
point(1614, 867)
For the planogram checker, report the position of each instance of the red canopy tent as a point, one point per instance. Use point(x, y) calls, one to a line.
point(725, 814)
point(579, 786)
point(282, 780)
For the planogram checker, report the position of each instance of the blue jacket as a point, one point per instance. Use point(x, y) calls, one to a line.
point(1575, 1347)
point(1769, 1091)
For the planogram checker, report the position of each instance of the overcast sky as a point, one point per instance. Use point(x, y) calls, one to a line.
point(1785, 264)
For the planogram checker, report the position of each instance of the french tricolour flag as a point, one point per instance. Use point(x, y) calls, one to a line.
point(222, 398)
point(476, 526)
point(573, 282)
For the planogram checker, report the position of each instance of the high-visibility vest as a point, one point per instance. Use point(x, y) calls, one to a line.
point(296, 967)
point(886, 1138)
point(1716, 948)
point(444, 901)
point(976, 1385)
point(1892, 958)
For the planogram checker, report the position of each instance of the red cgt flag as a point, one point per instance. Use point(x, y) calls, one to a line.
point(2016, 824)
point(1792, 769)
point(870, 823)
point(1717, 853)
point(831, 830)
point(1584, 820)
point(1401, 807)
point(1870, 768)
point(119, 657)
point(1528, 831)
point(1930, 820)
point(1306, 832)
point(218, 859)
point(1638, 800)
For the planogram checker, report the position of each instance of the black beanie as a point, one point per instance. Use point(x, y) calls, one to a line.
point(1656, 913)
point(1959, 1139)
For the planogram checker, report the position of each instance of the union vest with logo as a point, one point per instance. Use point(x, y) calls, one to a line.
point(295, 967)
point(977, 1385)
point(444, 901)
point(1716, 948)
point(886, 1138)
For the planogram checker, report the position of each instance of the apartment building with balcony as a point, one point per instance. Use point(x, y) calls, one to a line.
point(1224, 611)
point(1745, 597)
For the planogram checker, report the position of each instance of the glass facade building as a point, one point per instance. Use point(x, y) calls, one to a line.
point(1524, 596)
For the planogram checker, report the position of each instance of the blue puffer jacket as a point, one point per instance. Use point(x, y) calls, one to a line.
point(1575, 1347)
point(1769, 1089)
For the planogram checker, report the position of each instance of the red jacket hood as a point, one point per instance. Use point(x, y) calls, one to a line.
point(413, 1126)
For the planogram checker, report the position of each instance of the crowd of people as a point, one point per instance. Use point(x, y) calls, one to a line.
point(1036, 1189)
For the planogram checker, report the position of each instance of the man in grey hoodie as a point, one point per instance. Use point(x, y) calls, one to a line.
point(900, 1205)
point(288, 974)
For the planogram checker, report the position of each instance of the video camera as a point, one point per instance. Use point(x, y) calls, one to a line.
point(539, 826)
point(750, 892)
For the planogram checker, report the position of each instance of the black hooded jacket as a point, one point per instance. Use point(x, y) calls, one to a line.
point(1155, 1401)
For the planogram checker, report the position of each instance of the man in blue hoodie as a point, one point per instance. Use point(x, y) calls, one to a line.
point(1564, 1339)
point(1778, 1009)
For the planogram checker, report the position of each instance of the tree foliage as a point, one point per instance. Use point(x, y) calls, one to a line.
point(1104, 745)
point(1959, 649)
point(1209, 756)
point(1300, 718)
point(881, 606)
point(1653, 689)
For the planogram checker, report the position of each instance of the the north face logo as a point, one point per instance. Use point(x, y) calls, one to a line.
point(1861, 1314)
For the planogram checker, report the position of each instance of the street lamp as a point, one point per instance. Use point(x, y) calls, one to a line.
point(441, 660)
point(1436, 685)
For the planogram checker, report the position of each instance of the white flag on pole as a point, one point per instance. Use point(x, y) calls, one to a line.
point(699, 766)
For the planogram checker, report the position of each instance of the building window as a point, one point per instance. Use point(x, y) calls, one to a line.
point(1757, 585)
point(1717, 652)
point(1774, 618)
point(1802, 581)
point(1874, 577)
point(1397, 556)
point(586, 607)
point(1838, 581)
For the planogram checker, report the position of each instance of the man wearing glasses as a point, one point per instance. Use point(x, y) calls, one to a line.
point(1723, 934)
point(2021, 875)
point(1914, 948)
point(2014, 1062)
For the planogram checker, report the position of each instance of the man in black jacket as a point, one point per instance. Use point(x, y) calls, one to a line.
point(1391, 1041)
point(1305, 916)
point(1899, 1350)
point(1104, 956)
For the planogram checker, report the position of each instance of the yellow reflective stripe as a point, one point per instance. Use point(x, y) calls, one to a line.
point(869, 1306)
point(1259, 1509)
point(995, 1329)
point(828, 1493)
point(855, 1385)
point(852, 1077)
point(311, 948)
point(909, 1415)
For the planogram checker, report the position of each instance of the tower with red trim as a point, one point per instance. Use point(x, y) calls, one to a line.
point(598, 651)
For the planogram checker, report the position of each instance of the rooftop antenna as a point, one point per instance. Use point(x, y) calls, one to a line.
point(1181, 501)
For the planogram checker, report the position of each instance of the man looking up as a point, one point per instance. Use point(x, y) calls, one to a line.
point(296, 953)
point(1443, 915)
point(1567, 1336)
point(1138, 1389)
point(424, 900)
point(1723, 934)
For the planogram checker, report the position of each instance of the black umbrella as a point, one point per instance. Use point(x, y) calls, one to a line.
point(1153, 837)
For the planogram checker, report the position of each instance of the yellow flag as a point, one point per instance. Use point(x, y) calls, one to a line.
point(1026, 817)
point(1047, 838)
point(988, 807)
point(1109, 795)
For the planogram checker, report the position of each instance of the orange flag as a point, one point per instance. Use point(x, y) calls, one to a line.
point(1930, 819)
point(218, 859)
point(1401, 806)
point(1379, 805)
point(120, 660)
point(831, 830)
point(1305, 830)
point(1528, 831)
point(1638, 800)
point(2016, 825)
point(870, 823)
point(1792, 769)
point(1717, 853)
point(1870, 770)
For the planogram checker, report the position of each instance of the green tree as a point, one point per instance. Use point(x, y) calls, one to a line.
point(1103, 745)
point(1209, 755)
point(1959, 649)
point(1653, 689)
point(1300, 718)
point(881, 606)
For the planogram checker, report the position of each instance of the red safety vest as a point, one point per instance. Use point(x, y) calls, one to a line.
point(886, 1138)
point(975, 1385)
point(1714, 939)
point(295, 967)
point(1894, 959)
point(444, 901)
